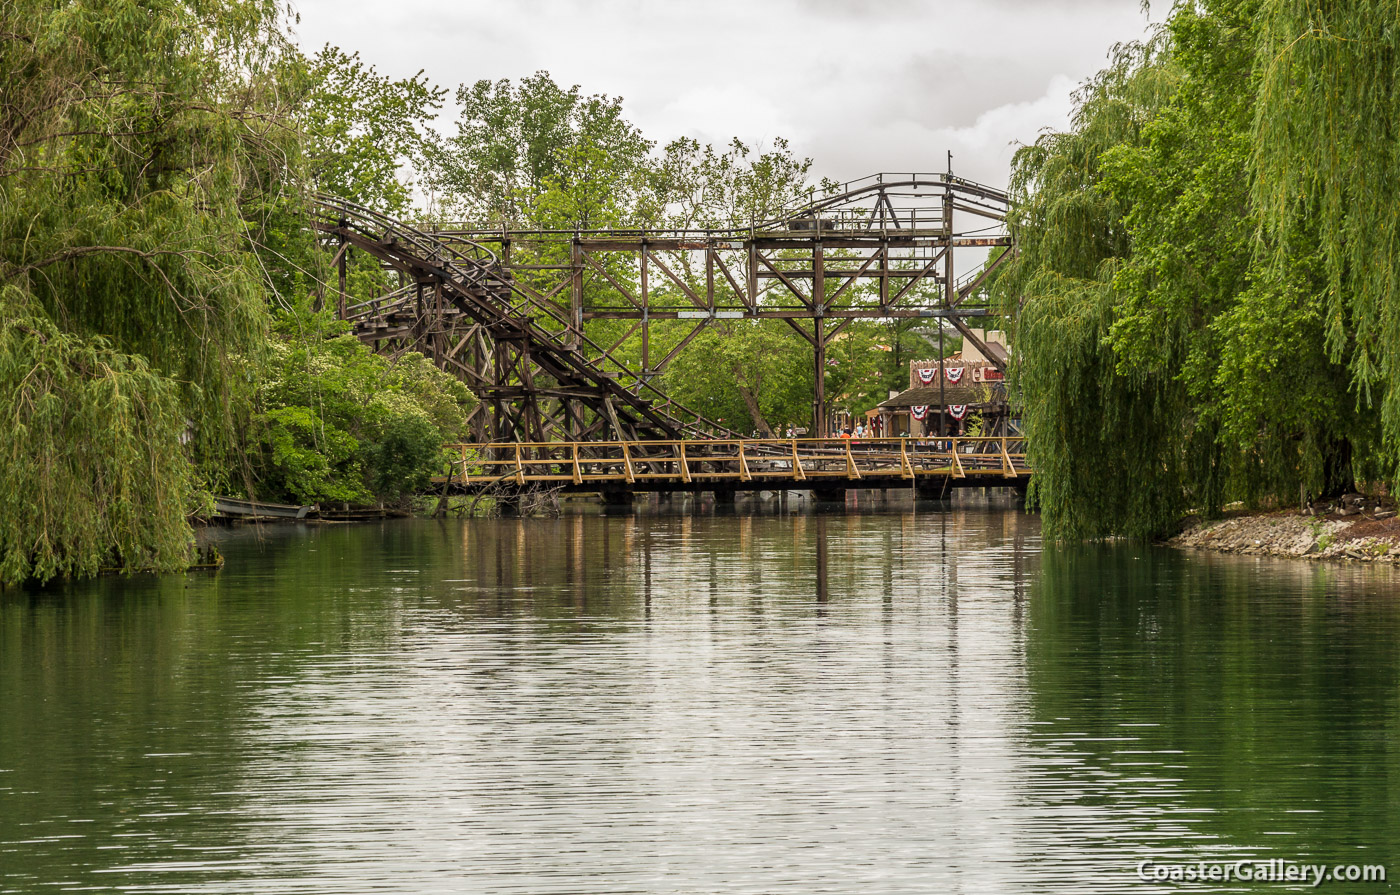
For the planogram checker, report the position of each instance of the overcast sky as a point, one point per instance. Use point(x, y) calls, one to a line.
point(859, 85)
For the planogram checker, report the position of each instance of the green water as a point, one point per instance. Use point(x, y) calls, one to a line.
point(695, 703)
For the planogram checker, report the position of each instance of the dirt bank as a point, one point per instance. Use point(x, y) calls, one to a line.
point(1353, 528)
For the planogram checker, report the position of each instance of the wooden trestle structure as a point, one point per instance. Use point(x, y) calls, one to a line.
point(728, 465)
point(509, 312)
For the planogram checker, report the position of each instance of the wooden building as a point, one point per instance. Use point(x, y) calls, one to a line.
point(956, 396)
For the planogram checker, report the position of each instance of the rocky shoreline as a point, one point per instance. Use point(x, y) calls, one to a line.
point(1354, 527)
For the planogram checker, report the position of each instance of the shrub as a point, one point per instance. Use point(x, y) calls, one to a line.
point(336, 422)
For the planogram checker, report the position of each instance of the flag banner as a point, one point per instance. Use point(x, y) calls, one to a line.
point(954, 374)
point(957, 411)
point(926, 376)
point(919, 411)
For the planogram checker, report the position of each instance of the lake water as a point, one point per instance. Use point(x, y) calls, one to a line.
point(893, 699)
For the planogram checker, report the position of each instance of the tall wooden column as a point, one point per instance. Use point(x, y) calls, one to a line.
point(819, 427)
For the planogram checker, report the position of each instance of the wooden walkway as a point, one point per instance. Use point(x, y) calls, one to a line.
point(740, 464)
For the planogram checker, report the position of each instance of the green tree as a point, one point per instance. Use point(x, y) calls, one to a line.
point(364, 138)
point(752, 374)
point(539, 155)
point(701, 187)
point(1163, 365)
point(367, 135)
point(1327, 160)
point(137, 143)
point(331, 421)
point(335, 422)
point(1103, 439)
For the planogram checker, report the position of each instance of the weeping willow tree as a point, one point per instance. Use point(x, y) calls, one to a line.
point(1326, 144)
point(1176, 346)
point(1071, 241)
point(133, 136)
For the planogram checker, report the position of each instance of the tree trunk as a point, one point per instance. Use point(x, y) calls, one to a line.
point(751, 402)
point(1338, 477)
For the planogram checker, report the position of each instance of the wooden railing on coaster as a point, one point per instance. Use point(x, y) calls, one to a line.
point(763, 461)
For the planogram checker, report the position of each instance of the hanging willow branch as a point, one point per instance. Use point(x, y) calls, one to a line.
point(1208, 261)
point(1327, 148)
point(139, 140)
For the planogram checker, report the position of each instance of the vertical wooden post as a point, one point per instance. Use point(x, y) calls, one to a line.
point(819, 378)
point(340, 299)
point(752, 279)
point(942, 375)
point(439, 329)
point(419, 329)
point(819, 331)
point(884, 272)
point(576, 292)
point(646, 320)
point(710, 275)
point(947, 287)
point(505, 431)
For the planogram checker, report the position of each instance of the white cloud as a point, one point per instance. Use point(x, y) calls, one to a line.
point(859, 86)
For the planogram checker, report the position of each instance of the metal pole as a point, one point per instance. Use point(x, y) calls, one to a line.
point(947, 288)
point(942, 375)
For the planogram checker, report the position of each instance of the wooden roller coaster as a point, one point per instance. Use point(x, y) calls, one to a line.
point(509, 311)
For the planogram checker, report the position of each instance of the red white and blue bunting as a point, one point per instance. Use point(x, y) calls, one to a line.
point(954, 374)
point(926, 376)
point(919, 411)
point(957, 411)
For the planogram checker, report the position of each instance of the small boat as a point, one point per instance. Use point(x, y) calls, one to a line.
point(234, 507)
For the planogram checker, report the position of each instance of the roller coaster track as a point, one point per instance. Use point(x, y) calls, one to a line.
point(510, 311)
point(531, 360)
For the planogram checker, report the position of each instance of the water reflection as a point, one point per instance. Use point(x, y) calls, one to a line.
point(1200, 706)
point(900, 701)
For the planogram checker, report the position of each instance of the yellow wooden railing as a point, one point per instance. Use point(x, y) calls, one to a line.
point(744, 460)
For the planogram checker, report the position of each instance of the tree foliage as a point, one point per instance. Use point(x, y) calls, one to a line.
point(538, 155)
point(156, 159)
point(365, 134)
point(1176, 345)
point(1327, 153)
point(335, 422)
point(83, 487)
point(134, 138)
point(738, 185)
point(751, 374)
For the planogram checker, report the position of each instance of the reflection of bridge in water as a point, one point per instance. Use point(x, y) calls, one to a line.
point(825, 466)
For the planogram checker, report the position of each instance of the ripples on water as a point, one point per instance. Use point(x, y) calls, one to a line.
point(876, 703)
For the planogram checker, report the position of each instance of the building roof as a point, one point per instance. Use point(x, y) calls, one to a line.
point(973, 393)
